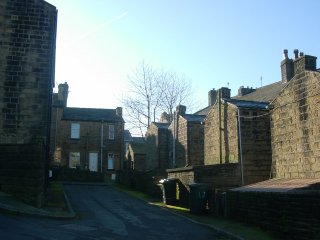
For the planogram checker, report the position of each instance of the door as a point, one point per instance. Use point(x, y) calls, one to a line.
point(93, 162)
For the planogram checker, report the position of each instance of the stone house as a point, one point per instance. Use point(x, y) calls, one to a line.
point(186, 139)
point(27, 66)
point(86, 138)
point(237, 130)
point(136, 154)
point(289, 203)
point(157, 139)
point(295, 125)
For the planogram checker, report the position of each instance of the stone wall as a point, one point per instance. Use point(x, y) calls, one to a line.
point(291, 215)
point(89, 141)
point(256, 145)
point(27, 59)
point(157, 139)
point(295, 128)
point(219, 176)
point(255, 139)
point(152, 141)
point(229, 135)
point(23, 172)
point(181, 142)
point(27, 69)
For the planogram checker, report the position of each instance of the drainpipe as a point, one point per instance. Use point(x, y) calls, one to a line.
point(240, 147)
point(174, 140)
point(101, 146)
point(220, 133)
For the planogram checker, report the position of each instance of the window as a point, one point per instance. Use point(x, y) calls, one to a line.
point(74, 159)
point(110, 161)
point(111, 132)
point(75, 130)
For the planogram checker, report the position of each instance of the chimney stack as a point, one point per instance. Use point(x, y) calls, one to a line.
point(165, 118)
point(224, 92)
point(296, 53)
point(301, 62)
point(181, 110)
point(244, 91)
point(212, 97)
point(119, 111)
point(286, 67)
point(63, 91)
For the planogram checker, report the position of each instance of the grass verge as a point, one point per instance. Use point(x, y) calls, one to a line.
point(55, 197)
point(242, 230)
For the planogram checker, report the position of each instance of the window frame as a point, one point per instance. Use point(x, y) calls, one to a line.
point(71, 160)
point(75, 131)
point(111, 132)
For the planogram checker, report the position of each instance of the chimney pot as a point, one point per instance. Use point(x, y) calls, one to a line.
point(296, 53)
point(285, 53)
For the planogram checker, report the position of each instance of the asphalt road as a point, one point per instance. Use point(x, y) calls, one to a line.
point(105, 213)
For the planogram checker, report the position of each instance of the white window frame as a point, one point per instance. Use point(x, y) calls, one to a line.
point(111, 132)
point(110, 163)
point(74, 159)
point(75, 131)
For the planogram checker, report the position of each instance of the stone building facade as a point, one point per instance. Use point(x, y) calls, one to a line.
point(157, 139)
point(27, 65)
point(186, 139)
point(238, 131)
point(86, 138)
point(295, 120)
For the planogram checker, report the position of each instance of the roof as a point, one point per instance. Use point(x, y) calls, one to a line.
point(281, 185)
point(247, 104)
point(204, 111)
point(264, 94)
point(161, 125)
point(127, 136)
point(138, 147)
point(91, 114)
point(193, 117)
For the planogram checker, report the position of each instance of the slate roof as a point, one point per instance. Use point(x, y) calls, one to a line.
point(247, 104)
point(161, 125)
point(91, 114)
point(204, 111)
point(193, 117)
point(138, 147)
point(264, 94)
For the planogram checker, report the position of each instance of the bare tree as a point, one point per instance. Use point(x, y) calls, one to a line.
point(151, 93)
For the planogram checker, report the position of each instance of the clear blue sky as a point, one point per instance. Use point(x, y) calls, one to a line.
point(214, 43)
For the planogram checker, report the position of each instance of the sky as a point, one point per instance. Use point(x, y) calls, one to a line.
point(212, 43)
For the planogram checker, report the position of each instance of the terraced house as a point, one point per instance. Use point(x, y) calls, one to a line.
point(86, 138)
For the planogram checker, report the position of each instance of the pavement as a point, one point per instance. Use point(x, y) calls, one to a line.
point(9, 204)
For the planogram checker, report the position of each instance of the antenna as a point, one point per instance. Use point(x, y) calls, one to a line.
point(261, 80)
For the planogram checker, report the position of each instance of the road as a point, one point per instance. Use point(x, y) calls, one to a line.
point(105, 214)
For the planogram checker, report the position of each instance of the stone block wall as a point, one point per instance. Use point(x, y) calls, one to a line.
point(23, 172)
point(89, 141)
point(291, 215)
point(157, 147)
point(229, 135)
point(295, 128)
point(256, 145)
point(195, 150)
point(219, 176)
point(27, 60)
point(152, 141)
point(181, 142)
